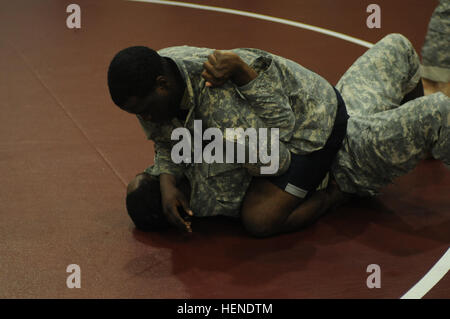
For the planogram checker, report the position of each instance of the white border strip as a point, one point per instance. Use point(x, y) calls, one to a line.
point(430, 279)
point(263, 17)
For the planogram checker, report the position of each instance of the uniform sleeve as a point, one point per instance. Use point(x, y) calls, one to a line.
point(163, 146)
point(267, 98)
point(265, 152)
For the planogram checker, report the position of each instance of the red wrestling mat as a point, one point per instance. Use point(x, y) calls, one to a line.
point(67, 154)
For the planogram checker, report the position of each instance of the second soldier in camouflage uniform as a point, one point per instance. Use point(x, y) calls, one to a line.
point(285, 95)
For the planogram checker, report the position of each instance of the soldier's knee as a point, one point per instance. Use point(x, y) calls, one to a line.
point(399, 39)
point(402, 44)
point(406, 59)
point(143, 202)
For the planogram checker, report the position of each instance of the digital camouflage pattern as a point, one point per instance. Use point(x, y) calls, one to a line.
point(284, 95)
point(436, 49)
point(385, 140)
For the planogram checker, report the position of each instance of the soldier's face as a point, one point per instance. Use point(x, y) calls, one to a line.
point(159, 106)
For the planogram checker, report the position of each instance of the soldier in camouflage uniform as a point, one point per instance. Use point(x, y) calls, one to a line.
point(287, 96)
point(436, 51)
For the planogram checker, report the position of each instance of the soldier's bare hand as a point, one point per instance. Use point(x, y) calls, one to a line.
point(221, 67)
point(172, 198)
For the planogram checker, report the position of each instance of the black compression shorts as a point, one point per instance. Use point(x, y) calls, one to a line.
point(306, 172)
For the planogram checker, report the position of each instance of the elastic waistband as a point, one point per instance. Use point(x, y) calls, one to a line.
point(341, 114)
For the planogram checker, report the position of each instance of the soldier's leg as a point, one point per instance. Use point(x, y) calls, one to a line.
point(271, 204)
point(383, 146)
point(436, 51)
point(381, 77)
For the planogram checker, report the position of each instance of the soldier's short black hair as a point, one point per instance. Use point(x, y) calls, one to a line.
point(144, 206)
point(133, 72)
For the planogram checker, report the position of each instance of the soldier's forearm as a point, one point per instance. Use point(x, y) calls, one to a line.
point(167, 181)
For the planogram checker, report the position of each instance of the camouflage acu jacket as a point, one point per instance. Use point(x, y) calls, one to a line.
point(285, 95)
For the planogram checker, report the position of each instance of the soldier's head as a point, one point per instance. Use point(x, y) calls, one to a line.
point(144, 204)
point(142, 82)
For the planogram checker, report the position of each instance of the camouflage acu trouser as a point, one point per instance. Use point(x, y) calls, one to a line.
point(384, 139)
point(436, 49)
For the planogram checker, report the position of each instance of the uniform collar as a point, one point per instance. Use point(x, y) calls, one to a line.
point(187, 101)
